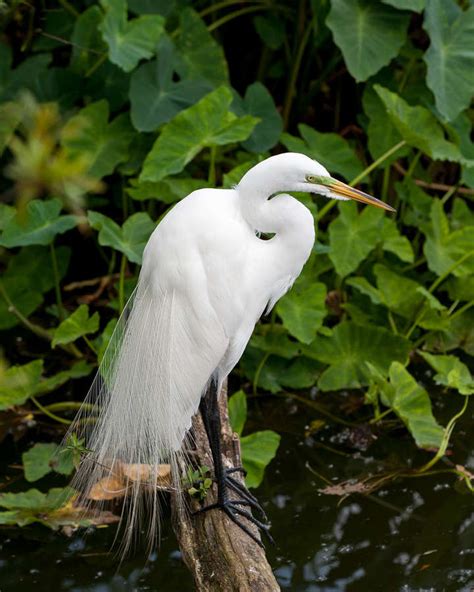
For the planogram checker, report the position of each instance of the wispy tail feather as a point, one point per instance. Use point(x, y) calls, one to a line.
point(147, 389)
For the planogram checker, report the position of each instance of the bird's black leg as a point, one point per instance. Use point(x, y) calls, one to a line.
point(233, 508)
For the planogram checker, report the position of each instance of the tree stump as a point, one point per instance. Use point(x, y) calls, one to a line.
point(220, 556)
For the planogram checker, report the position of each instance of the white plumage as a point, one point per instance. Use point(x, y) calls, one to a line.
point(206, 280)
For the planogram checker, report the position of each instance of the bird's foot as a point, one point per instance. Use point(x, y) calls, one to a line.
point(234, 509)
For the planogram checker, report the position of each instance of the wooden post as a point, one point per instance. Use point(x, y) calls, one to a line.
point(218, 553)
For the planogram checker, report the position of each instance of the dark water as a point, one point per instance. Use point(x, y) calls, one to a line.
point(413, 535)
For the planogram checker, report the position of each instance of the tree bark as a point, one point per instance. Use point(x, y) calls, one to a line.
point(220, 555)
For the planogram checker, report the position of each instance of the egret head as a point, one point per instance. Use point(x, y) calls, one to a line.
point(292, 171)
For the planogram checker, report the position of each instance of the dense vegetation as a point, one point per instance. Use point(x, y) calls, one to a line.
point(111, 112)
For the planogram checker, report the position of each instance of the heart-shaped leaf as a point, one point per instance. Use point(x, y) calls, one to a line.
point(76, 325)
point(349, 348)
point(208, 123)
point(89, 135)
point(369, 34)
point(450, 56)
point(330, 149)
point(129, 41)
point(38, 225)
point(258, 449)
point(130, 239)
point(155, 96)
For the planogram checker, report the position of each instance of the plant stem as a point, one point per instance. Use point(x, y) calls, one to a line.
point(211, 177)
point(90, 344)
point(290, 89)
point(229, 17)
point(459, 312)
point(447, 435)
point(123, 265)
point(225, 4)
point(258, 371)
point(362, 175)
point(69, 7)
point(69, 405)
point(448, 272)
point(96, 65)
point(48, 413)
point(57, 286)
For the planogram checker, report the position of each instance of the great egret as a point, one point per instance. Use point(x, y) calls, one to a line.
point(206, 280)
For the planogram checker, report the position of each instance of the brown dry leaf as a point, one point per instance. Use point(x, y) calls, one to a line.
point(108, 488)
point(143, 473)
point(345, 488)
point(117, 483)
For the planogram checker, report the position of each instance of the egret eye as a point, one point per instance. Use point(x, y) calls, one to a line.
point(318, 179)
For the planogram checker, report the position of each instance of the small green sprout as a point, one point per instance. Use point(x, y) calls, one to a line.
point(75, 446)
point(198, 482)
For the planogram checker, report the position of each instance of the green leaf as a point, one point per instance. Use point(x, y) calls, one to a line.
point(259, 103)
point(18, 290)
point(155, 96)
point(101, 343)
point(42, 459)
point(129, 41)
point(86, 40)
point(31, 506)
point(169, 190)
point(443, 248)
point(17, 383)
point(349, 348)
point(75, 326)
point(415, 5)
point(303, 309)
point(130, 239)
point(200, 56)
point(275, 340)
point(412, 404)
point(208, 123)
point(89, 136)
point(450, 56)
point(330, 149)
point(39, 224)
point(419, 127)
point(369, 34)
point(270, 29)
point(382, 133)
point(258, 449)
point(29, 275)
point(34, 264)
point(238, 411)
point(395, 243)
point(51, 383)
point(451, 373)
point(352, 236)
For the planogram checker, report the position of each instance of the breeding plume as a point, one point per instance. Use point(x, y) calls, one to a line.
point(206, 280)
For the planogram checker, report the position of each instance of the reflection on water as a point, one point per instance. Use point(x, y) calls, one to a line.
point(414, 535)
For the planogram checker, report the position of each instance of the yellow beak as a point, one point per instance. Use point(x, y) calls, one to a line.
point(345, 191)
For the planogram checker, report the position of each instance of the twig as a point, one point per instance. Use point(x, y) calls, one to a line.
point(434, 186)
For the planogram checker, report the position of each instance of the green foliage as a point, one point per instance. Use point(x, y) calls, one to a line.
point(129, 41)
point(258, 448)
point(208, 123)
point(75, 326)
point(412, 404)
point(368, 33)
point(110, 116)
point(450, 75)
point(37, 226)
point(41, 459)
point(130, 239)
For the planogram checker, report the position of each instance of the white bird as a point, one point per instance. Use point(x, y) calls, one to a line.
point(206, 280)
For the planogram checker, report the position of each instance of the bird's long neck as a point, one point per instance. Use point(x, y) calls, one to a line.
point(256, 206)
